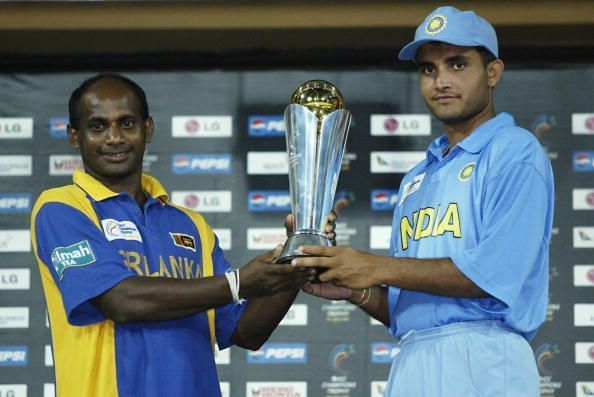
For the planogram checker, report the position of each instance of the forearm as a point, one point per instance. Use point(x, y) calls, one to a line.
point(374, 302)
point(261, 317)
point(433, 276)
point(162, 299)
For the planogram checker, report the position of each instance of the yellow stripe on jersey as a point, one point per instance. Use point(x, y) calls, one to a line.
point(79, 371)
point(207, 240)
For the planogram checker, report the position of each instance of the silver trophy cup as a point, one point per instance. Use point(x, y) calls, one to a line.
point(316, 129)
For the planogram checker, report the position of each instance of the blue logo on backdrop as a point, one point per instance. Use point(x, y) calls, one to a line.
point(15, 203)
point(384, 199)
point(275, 353)
point(57, 127)
point(583, 161)
point(201, 164)
point(383, 353)
point(269, 200)
point(13, 356)
point(260, 126)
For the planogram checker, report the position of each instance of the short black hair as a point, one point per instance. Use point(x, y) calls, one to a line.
point(74, 102)
point(486, 55)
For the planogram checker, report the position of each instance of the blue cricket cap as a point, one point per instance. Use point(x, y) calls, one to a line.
point(452, 26)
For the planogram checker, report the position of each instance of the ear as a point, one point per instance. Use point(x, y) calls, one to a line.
point(494, 72)
point(73, 136)
point(149, 126)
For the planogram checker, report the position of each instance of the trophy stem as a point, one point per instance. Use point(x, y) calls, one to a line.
point(299, 238)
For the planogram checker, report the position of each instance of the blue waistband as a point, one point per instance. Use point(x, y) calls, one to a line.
point(454, 329)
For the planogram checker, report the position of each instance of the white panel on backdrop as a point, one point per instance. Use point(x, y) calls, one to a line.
point(203, 200)
point(201, 126)
point(13, 390)
point(379, 237)
point(583, 237)
point(15, 279)
point(16, 128)
point(64, 164)
point(222, 357)
point(400, 124)
point(276, 389)
point(584, 389)
point(48, 356)
point(583, 314)
point(267, 163)
point(583, 275)
point(14, 317)
point(378, 388)
point(224, 236)
point(16, 165)
point(583, 199)
point(15, 241)
point(297, 315)
point(582, 123)
point(225, 389)
point(49, 390)
point(265, 238)
point(584, 353)
point(394, 162)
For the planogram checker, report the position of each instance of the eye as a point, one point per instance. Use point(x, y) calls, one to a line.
point(96, 125)
point(427, 69)
point(128, 123)
point(459, 66)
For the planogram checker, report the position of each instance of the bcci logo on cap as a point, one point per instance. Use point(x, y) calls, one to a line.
point(436, 24)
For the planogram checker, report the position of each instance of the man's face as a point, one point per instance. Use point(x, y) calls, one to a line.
point(112, 135)
point(453, 81)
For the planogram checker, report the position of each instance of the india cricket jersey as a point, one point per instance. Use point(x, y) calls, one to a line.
point(87, 239)
point(487, 205)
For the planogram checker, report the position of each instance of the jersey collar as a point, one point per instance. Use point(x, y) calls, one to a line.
point(99, 192)
point(474, 142)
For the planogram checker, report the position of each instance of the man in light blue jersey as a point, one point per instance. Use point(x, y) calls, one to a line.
point(465, 287)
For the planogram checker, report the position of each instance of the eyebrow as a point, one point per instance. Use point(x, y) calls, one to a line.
point(452, 59)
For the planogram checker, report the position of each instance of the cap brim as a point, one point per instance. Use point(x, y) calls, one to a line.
point(409, 51)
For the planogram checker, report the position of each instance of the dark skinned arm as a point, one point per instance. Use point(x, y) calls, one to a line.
point(161, 299)
point(263, 314)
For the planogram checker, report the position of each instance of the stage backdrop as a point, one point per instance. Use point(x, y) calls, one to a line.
point(219, 149)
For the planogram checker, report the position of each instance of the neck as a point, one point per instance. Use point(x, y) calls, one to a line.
point(457, 131)
point(131, 184)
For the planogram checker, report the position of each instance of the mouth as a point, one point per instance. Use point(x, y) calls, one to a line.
point(445, 98)
point(116, 156)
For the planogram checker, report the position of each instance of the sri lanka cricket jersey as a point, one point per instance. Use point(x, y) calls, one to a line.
point(487, 205)
point(87, 239)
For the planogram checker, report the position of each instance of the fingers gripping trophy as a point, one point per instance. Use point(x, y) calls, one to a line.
point(316, 130)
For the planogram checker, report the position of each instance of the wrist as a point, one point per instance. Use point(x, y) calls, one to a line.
point(357, 296)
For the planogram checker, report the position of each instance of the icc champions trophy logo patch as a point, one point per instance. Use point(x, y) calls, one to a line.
point(436, 24)
point(466, 172)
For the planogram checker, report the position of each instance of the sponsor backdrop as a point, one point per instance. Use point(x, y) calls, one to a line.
point(219, 149)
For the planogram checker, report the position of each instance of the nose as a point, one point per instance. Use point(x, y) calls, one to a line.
point(442, 80)
point(114, 135)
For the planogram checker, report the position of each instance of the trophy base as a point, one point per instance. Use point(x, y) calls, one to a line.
point(296, 240)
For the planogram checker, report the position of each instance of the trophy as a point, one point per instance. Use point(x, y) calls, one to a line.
point(316, 129)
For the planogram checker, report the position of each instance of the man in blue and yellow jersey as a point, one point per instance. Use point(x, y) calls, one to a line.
point(138, 290)
point(465, 285)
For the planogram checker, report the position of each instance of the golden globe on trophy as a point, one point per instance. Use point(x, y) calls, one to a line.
point(316, 129)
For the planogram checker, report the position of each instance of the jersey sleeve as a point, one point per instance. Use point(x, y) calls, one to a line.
point(228, 315)
point(394, 292)
point(80, 259)
point(514, 223)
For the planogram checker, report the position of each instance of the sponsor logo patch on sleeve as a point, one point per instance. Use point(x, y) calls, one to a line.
point(184, 241)
point(78, 254)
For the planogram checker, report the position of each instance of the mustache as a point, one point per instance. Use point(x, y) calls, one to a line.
point(116, 150)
